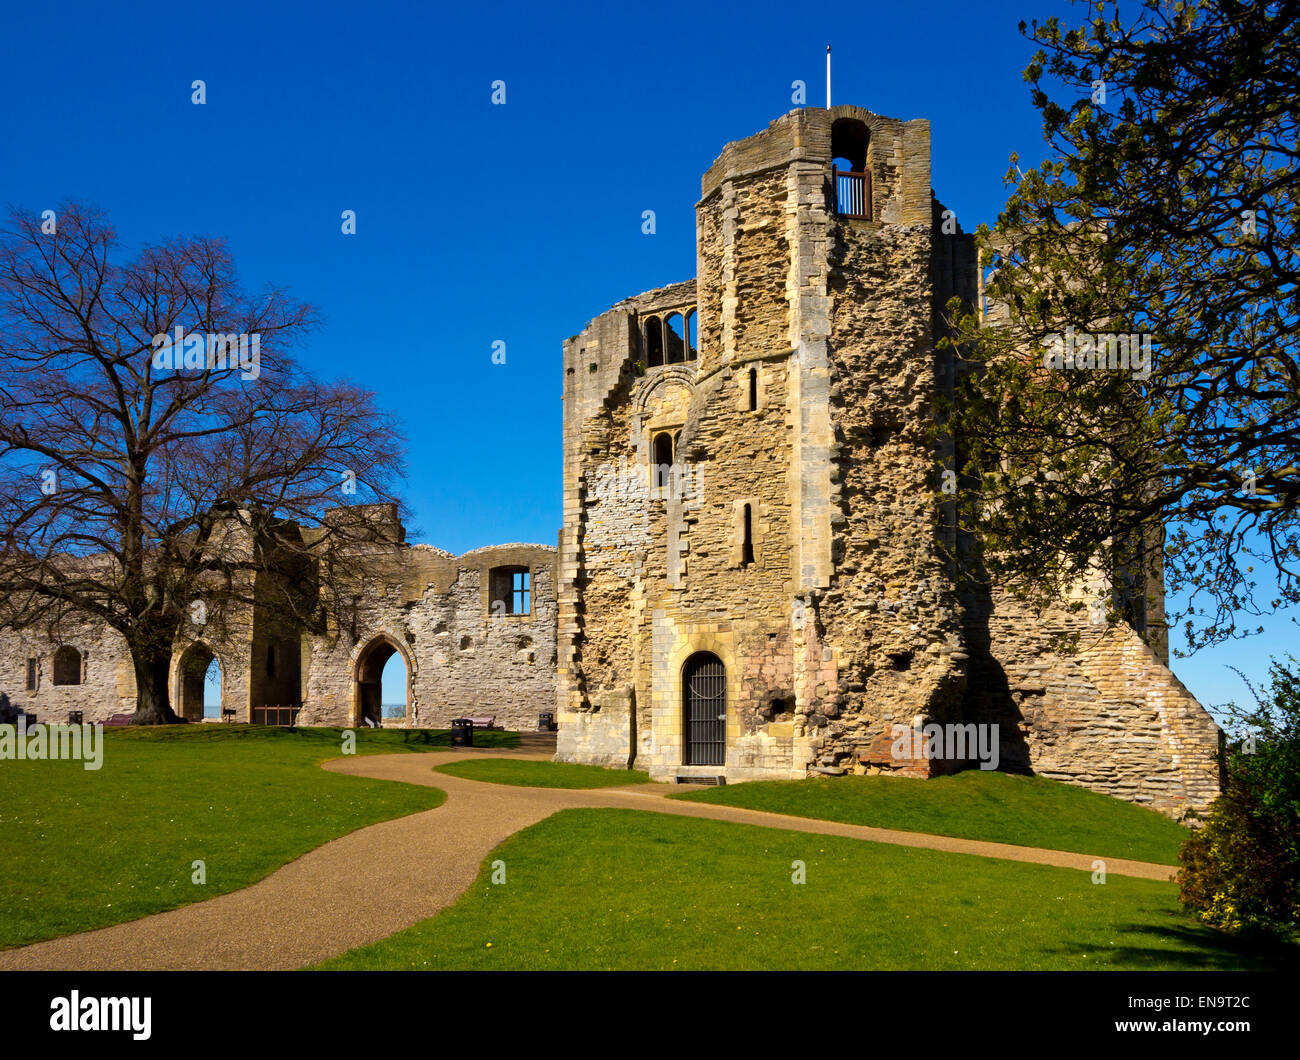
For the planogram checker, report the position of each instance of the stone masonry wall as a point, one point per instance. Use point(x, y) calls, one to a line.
point(432, 607)
point(461, 659)
point(847, 620)
point(1089, 705)
point(108, 681)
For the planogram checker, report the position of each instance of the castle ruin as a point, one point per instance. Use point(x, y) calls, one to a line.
point(754, 578)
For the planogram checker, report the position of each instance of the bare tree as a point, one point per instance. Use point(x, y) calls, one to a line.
point(139, 474)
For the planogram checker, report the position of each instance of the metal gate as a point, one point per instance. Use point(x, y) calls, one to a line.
point(704, 695)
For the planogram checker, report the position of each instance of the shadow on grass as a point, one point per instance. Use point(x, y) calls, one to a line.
point(1215, 950)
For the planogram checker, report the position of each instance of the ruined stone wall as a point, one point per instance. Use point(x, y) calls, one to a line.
point(711, 599)
point(461, 658)
point(108, 680)
point(847, 620)
point(1090, 705)
point(890, 610)
point(598, 555)
point(432, 607)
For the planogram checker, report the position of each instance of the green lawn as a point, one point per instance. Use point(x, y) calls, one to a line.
point(976, 804)
point(627, 889)
point(82, 849)
point(541, 774)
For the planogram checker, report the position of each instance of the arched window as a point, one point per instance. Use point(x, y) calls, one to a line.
point(850, 179)
point(67, 666)
point(692, 339)
point(747, 545)
point(661, 460)
point(849, 140)
point(675, 338)
point(753, 389)
point(654, 342)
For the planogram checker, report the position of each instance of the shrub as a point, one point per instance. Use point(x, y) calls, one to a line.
point(1241, 871)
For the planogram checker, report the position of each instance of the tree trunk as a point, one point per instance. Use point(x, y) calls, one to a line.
point(153, 698)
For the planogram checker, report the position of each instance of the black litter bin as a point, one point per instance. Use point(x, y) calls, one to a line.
point(462, 732)
point(546, 722)
point(31, 720)
point(75, 716)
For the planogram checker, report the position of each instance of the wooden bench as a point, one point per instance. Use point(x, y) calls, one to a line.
point(483, 721)
point(119, 719)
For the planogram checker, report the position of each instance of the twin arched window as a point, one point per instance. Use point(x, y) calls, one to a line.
point(669, 338)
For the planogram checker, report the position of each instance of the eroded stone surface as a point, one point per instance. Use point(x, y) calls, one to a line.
point(833, 605)
point(795, 532)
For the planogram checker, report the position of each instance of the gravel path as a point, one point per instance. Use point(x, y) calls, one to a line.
point(378, 880)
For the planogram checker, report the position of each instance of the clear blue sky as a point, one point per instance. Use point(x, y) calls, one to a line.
point(478, 223)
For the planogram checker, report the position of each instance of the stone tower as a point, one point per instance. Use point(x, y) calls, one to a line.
point(754, 575)
point(796, 543)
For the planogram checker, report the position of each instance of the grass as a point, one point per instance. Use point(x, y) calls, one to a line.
point(976, 804)
point(541, 774)
point(652, 891)
point(82, 849)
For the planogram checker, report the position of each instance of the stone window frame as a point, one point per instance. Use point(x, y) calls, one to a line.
point(80, 666)
point(659, 488)
point(512, 595)
point(853, 141)
point(751, 382)
point(659, 318)
point(33, 673)
point(757, 532)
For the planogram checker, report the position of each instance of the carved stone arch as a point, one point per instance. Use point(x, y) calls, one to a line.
point(189, 670)
point(643, 392)
point(366, 664)
point(397, 638)
point(644, 395)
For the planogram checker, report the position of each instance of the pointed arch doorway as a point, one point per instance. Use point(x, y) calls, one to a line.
point(368, 701)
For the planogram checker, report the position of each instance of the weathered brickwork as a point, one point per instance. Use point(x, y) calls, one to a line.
point(461, 658)
point(464, 652)
point(801, 581)
point(754, 577)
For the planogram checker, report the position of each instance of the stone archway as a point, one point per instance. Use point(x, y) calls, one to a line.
point(191, 675)
point(368, 673)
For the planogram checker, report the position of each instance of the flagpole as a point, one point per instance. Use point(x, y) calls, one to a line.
point(828, 77)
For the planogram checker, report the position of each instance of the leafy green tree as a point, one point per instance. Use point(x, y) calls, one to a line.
point(1167, 210)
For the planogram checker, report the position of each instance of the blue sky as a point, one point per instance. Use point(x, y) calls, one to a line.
point(476, 222)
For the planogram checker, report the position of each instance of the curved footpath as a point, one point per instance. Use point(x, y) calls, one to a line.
point(383, 878)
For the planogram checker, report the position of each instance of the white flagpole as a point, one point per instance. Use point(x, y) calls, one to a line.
point(828, 77)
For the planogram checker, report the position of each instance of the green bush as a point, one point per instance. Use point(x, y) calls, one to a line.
point(1241, 871)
